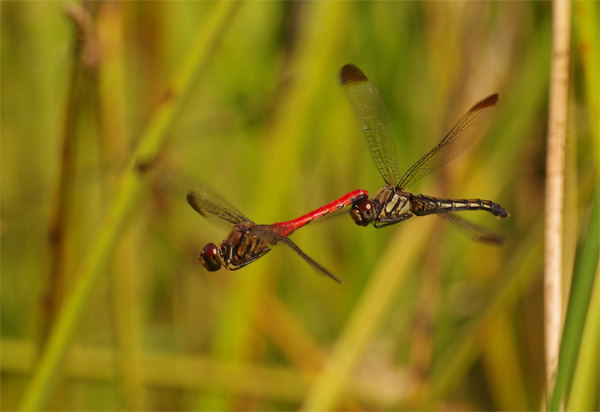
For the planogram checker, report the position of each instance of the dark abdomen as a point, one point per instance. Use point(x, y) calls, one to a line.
point(422, 205)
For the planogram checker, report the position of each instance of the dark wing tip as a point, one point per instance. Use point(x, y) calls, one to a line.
point(351, 74)
point(193, 202)
point(143, 166)
point(492, 239)
point(487, 102)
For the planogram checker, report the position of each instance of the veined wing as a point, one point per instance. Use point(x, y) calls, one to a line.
point(372, 116)
point(316, 266)
point(472, 230)
point(203, 199)
point(211, 205)
point(463, 133)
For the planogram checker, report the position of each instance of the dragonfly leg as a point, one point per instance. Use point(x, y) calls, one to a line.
point(231, 266)
point(392, 221)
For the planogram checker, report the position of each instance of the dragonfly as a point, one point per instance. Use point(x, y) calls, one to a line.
point(393, 203)
point(247, 241)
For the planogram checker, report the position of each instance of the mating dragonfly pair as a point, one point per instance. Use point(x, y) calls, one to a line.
point(248, 241)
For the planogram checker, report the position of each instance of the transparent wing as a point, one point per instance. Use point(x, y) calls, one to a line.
point(203, 199)
point(316, 266)
point(472, 230)
point(463, 133)
point(211, 205)
point(373, 119)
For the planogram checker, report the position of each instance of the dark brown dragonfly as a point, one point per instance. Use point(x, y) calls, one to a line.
point(393, 203)
point(246, 241)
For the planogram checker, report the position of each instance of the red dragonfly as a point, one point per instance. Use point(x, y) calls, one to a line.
point(393, 203)
point(246, 241)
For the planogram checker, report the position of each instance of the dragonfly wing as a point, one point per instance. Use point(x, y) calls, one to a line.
point(472, 230)
point(316, 266)
point(203, 199)
point(211, 205)
point(372, 116)
point(463, 133)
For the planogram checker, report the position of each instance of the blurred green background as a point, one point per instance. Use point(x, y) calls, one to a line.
point(424, 318)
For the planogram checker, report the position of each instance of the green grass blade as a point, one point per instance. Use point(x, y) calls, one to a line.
point(453, 365)
point(46, 375)
point(584, 393)
point(577, 310)
point(368, 314)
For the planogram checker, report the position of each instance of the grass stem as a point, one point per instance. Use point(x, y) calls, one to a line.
point(555, 165)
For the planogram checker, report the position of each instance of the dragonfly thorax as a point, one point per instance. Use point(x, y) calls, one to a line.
point(388, 205)
point(392, 203)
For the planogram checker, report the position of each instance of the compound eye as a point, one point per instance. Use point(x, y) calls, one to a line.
point(210, 257)
point(363, 212)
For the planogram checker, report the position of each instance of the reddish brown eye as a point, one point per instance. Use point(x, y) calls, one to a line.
point(365, 206)
point(363, 212)
point(210, 257)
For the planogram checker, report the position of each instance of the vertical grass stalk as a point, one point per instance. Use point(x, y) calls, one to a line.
point(555, 164)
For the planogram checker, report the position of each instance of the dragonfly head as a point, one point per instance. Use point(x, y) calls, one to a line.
point(211, 258)
point(364, 212)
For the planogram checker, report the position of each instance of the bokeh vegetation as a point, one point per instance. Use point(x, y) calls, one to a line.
point(104, 305)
